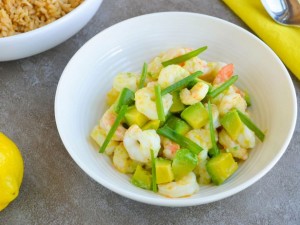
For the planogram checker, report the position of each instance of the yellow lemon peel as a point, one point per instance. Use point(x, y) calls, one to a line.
point(11, 171)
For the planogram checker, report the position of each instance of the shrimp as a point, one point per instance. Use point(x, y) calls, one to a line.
point(231, 146)
point(108, 120)
point(123, 80)
point(99, 135)
point(224, 74)
point(215, 116)
point(231, 90)
point(231, 101)
point(170, 148)
point(196, 64)
point(196, 94)
point(155, 66)
point(138, 143)
point(174, 52)
point(247, 138)
point(122, 161)
point(201, 137)
point(184, 187)
point(145, 101)
point(211, 71)
point(170, 75)
point(200, 170)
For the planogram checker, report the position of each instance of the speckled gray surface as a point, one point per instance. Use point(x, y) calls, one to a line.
point(56, 191)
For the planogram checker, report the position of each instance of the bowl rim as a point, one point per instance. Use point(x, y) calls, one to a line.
point(181, 202)
point(52, 25)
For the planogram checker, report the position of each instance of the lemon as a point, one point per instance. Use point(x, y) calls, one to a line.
point(11, 171)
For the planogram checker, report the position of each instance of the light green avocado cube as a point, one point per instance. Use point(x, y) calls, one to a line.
point(195, 115)
point(164, 173)
point(232, 123)
point(184, 162)
point(178, 125)
point(221, 167)
point(177, 105)
point(151, 125)
point(141, 178)
point(133, 116)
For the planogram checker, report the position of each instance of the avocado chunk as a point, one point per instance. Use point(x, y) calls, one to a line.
point(133, 116)
point(221, 167)
point(195, 115)
point(177, 105)
point(151, 125)
point(178, 125)
point(141, 178)
point(232, 123)
point(164, 173)
point(184, 162)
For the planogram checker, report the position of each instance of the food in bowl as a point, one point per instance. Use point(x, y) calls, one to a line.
point(26, 15)
point(181, 123)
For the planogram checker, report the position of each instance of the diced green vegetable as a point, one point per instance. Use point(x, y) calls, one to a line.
point(195, 115)
point(214, 93)
point(159, 103)
point(184, 162)
point(178, 125)
point(232, 123)
point(114, 128)
point(214, 151)
point(164, 173)
point(247, 121)
point(184, 57)
point(125, 98)
point(133, 116)
point(180, 84)
point(153, 162)
point(179, 139)
point(142, 178)
point(143, 76)
point(151, 125)
point(177, 105)
point(221, 167)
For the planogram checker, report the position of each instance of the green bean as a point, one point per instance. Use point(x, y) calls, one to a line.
point(114, 128)
point(184, 57)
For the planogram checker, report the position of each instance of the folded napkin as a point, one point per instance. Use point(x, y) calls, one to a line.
point(285, 41)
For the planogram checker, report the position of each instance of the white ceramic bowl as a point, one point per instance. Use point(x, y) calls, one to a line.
point(80, 97)
point(41, 39)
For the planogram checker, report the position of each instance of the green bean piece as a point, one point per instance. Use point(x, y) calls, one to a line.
point(181, 83)
point(184, 57)
point(179, 139)
point(154, 186)
point(223, 87)
point(214, 151)
point(126, 98)
point(143, 76)
point(248, 122)
point(114, 127)
point(159, 104)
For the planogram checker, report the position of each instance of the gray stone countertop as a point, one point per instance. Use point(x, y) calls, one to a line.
point(56, 191)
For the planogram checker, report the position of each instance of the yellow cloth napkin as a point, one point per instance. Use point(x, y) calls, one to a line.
point(285, 41)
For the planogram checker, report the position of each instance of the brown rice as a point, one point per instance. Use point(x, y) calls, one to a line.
point(19, 16)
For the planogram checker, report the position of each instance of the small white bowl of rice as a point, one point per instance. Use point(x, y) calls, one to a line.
point(29, 27)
